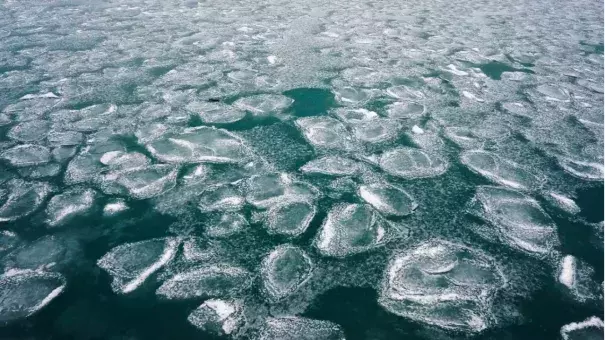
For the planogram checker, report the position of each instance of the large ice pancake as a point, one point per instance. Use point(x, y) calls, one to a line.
point(442, 284)
point(212, 281)
point(22, 199)
point(198, 145)
point(576, 276)
point(584, 169)
point(405, 110)
point(413, 163)
point(290, 218)
point(300, 328)
point(325, 133)
point(263, 191)
point(284, 270)
point(520, 221)
point(26, 155)
point(387, 199)
point(350, 229)
point(61, 208)
point(215, 113)
point(24, 293)
point(264, 104)
point(218, 317)
point(141, 182)
point(499, 170)
point(332, 165)
point(222, 198)
point(589, 329)
point(131, 264)
point(29, 131)
point(49, 252)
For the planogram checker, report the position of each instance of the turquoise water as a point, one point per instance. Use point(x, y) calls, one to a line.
point(239, 170)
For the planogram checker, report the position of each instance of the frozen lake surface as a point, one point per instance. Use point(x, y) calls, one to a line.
point(187, 169)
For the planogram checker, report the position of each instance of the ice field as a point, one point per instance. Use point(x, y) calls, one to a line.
point(314, 170)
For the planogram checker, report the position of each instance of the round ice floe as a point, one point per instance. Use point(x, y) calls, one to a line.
point(332, 165)
point(293, 327)
point(388, 199)
point(553, 93)
point(350, 229)
point(442, 284)
point(68, 204)
point(114, 207)
point(499, 170)
point(65, 138)
point(23, 198)
point(264, 104)
point(376, 130)
point(131, 264)
point(577, 277)
point(200, 144)
point(362, 76)
point(226, 225)
point(290, 218)
point(25, 293)
point(352, 96)
point(218, 317)
point(47, 252)
point(463, 137)
point(122, 160)
point(589, 329)
point(586, 170)
point(215, 113)
point(26, 155)
point(348, 115)
point(214, 281)
point(263, 191)
point(407, 110)
point(82, 168)
point(412, 163)
point(325, 132)
point(519, 219)
point(29, 131)
point(284, 270)
point(223, 198)
point(405, 92)
point(143, 182)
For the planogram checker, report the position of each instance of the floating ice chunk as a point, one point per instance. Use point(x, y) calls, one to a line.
point(405, 92)
point(290, 218)
point(226, 225)
point(463, 137)
point(195, 175)
point(325, 132)
point(350, 229)
point(131, 264)
point(215, 113)
point(472, 96)
point(362, 76)
point(590, 171)
point(121, 160)
point(388, 199)
point(25, 293)
point(69, 204)
point(499, 170)
point(264, 104)
point(565, 203)
point(376, 131)
point(30, 131)
point(272, 59)
point(63, 153)
point(294, 327)
point(26, 155)
point(243, 76)
point(65, 138)
point(144, 182)
point(284, 270)
point(589, 329)
point(223, 198)
point(412, 163)
point(82, 168)
point(47, 95)
point(264, 191)
point(214, 281)
point(417, 130)
point(201, 144)
point(40, 171)
point(405, 110)
point(350, 95)
point(519, 219)
point(553, 93)
point(47, 252)
point(332, 165)
point(8, 241)
point(115, 207)
point(454, 70)
point(218, 317)
point(577, 277)
point(442, 284)
point(23, 199)
point(348, 115)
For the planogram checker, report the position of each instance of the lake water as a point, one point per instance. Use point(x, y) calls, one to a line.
point(301, 170)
